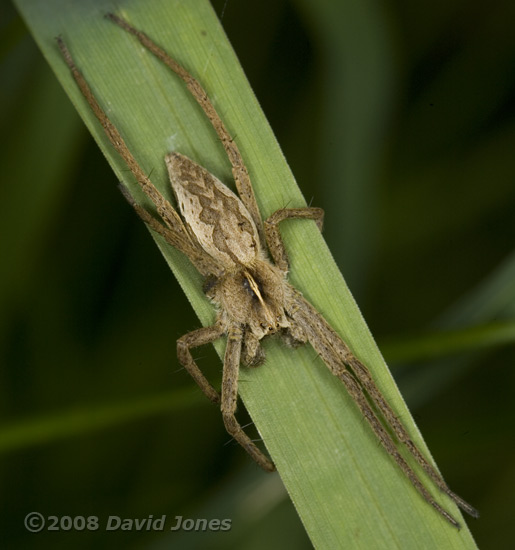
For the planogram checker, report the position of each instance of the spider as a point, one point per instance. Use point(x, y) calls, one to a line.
point(225, 239)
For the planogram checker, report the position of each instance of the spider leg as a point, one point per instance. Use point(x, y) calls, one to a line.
point(230, 397)
point(202, 261)
point(194, 339)
point(359, 397)
point(164, 208)
point(239, 170)
point(273, 237)
point(252, 353)
point(316, 329)
point(364, 376)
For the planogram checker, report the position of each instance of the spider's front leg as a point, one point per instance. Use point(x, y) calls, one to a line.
point(273, 237)
point(194, 339)
point(252, 353)
point(230, 397)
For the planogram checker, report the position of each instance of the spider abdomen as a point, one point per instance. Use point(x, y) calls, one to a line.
point(213, 213)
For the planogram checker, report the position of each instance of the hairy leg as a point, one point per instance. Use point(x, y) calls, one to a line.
point(364, 376)
point(202, 261)
point(194, 339)
point(321, 338)
point(230, 397)
point(273, 237)
point(164, 208)
point(239, 170)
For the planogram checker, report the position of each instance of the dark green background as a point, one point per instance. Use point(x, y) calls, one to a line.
point(398, 119)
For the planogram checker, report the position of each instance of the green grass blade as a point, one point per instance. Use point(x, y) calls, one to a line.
point(78, 421)
point(444, 343)
point(348, 493)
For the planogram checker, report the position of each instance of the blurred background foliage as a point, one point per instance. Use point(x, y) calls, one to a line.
point(398, 118)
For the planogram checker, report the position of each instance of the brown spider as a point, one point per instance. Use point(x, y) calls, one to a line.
point(223, 236)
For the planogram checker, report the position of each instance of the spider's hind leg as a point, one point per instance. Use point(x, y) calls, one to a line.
point(239, 170)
